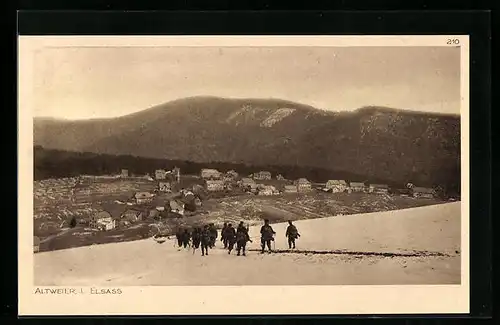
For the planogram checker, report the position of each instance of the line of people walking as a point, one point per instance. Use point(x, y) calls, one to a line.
point(239, 236)
point(206, 237)
point(201, 236)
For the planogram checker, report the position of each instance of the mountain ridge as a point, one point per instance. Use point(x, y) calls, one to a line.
point(379, 141)
point(284, 101)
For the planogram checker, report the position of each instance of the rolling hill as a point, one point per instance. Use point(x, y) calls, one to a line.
point(379, 142)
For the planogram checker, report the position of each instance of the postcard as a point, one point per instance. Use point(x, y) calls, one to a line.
point(240, 175)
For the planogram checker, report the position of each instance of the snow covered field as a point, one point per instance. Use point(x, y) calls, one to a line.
point(412, 246)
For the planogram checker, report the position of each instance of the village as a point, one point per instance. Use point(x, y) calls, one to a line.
point(126, 202)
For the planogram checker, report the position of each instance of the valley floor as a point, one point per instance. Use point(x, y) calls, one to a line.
point(411, 246)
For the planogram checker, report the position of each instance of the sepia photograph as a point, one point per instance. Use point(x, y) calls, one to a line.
point(184, 164)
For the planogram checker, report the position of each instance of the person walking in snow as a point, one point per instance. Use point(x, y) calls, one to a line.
point(178, 236)
point(242, 238)
point(267, 236)
point(205, 240)
point(213, 235)
point(186, 237)
point(292, 234)
point(223, 236)
point(230, 235)
point(196, 238)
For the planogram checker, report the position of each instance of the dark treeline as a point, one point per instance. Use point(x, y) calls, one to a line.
point(51, 163)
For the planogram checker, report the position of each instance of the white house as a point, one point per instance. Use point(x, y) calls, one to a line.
point(423, 192)
point(110, 225)
point(357, 187)
point(267, 190)
point(378, 188)
point(262, 175)
point(248, 182)
point(215, 185)
point(143, 197)
point(290, 189)
point(233, 174)
point(177, 207)
point(336, 186)
point(303, 185)
point(207, 173)
point(165, 187)
point(103, 221)
point(131, 215)
point(160, 174)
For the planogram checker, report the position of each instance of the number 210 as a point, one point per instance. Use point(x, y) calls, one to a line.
point(454, 41)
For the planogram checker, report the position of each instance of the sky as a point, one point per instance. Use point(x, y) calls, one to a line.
point(100, 82)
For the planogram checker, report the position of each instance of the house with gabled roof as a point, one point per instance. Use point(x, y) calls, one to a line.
point(160, 174)
point(247, 182)
point(103, 221)
point(209, 173)
point(290, 189)
point(143, 197)
point(177, 207)
point(336, 186)
point(132, 215)
point(423, 192)
point(232, 174)
point(215, 185)
point(267, 190)
point(356, 187)
point(303, 185)
point(378, 188)
point(262, 175)
point(165, 187)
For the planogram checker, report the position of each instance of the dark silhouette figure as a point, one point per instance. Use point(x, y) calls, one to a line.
point(213, 235)
point(205, 240)
point(223, 236)
point(196, 238)
point(292, 234)
point(230, 235)
point(72, 222)
point(242, 238)
point(186, 236)
point(178, 236)
point(267, 236)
